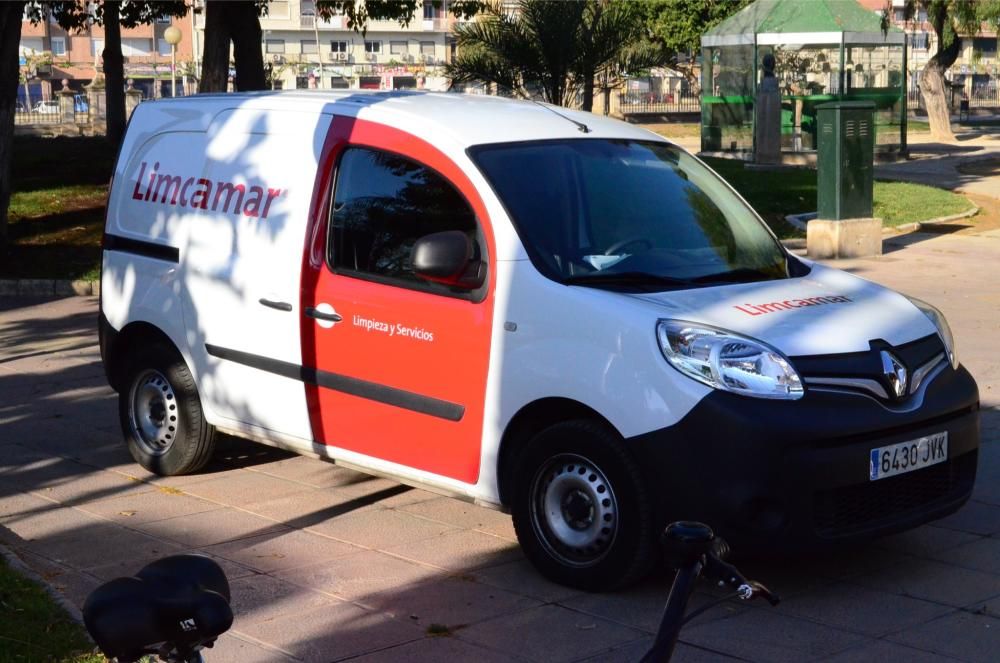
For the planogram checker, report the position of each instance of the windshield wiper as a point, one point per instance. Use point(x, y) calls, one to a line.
point(739, 275)
point(625, 278)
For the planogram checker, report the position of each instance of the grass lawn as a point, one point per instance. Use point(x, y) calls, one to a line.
point(34, 628)
point(776, 193)
point(56, 211)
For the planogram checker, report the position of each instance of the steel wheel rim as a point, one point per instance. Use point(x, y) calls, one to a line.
point(574, 512)
point(153, 414)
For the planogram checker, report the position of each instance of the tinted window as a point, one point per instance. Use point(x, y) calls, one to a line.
point(382, 204)
point(591, 207)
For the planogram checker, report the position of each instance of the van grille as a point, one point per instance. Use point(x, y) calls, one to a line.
point(851, 509)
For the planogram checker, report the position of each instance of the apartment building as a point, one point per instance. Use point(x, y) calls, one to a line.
point(50, 55)
point(977, 67)
point(303, 51)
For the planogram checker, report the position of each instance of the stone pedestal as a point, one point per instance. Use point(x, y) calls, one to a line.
point(132, 99)
point(847, 238)
point(67, 106)
point(767, 122)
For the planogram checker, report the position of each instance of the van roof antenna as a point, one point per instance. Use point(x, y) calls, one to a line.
point(579, 125)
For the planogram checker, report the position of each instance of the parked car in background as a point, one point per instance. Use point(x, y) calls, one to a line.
point(80, 104)
point(46, 107)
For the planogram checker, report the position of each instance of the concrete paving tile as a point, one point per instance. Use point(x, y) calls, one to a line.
point(390, 493)
point(211, 527)
point(464, 515)
point(22, 504)
point(927, 541)
point(521, 577)
point(101, 545)
point(932, 581)
point(313, 506)
point(311, 472)
point(264, 598)
point(281, 550)
point(865, 611)
point(981, 555)
point(381, 528)
point(453, 602)
point(634, 651)
point(355, 577)
point(883, 650)
point(72, 584)
point(975, 518)
point(148, 506)
point(50, 523)
point(639, 607)
point(131, 566)
point(230, 648)
point(434, 650)
point(335, 632)
point(245, 489)
point(460, 551)
point(962, 635)
point(550, 633)
point(764, 634)
point(70, 482)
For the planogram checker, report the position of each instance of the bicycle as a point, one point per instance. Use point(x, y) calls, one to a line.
point(173, 608)
point(693, 550)
point(179, 605)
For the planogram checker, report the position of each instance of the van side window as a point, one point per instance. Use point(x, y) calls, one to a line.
point(382, 204)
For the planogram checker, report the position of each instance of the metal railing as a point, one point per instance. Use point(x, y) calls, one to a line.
point(984, 96)
point(635, 103)
point(22, 116)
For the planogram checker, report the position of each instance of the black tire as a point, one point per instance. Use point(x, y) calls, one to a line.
point(581, 509)
point(161, 416)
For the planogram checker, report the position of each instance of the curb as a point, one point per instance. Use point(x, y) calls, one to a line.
point(18, 565)
point(801, 220)
point(46, 287)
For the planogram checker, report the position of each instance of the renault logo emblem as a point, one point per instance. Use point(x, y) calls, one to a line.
point(895, 373)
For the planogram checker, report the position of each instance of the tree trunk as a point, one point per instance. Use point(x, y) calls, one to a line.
point(932, 83)
point(247, 40)
point(215, 58)
point(10, 39)
point(932, 89)
point(114, 72)
point(587, 103)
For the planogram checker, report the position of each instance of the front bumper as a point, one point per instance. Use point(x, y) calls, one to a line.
point(793, 475)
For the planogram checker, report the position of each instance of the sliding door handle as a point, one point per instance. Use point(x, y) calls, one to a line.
point(280, 306)
point(323, 315)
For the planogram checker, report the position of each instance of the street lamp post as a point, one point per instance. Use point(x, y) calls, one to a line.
point(172, 36)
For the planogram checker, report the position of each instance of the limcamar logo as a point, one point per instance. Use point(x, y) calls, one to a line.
point(200, 193)
point(789, 304)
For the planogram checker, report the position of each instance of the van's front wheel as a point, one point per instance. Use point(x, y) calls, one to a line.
point(161, 415)
point(581, 509)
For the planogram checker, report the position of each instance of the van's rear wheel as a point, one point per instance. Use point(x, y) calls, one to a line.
point(581, 509)
point(161, 415)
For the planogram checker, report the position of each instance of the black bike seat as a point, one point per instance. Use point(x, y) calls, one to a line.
point(180, 601)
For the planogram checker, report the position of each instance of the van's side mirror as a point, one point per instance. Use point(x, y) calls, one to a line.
point(448, 257)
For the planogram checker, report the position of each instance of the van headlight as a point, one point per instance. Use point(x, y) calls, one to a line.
point(724, 360)
point(943, 330)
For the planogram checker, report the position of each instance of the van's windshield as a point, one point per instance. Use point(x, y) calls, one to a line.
point(628, 214)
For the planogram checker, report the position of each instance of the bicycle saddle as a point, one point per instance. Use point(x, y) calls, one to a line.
point(173, 607)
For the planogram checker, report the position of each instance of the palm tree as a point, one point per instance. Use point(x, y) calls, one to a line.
point(561, 49)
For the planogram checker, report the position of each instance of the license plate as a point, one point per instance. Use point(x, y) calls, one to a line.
point(908, 456)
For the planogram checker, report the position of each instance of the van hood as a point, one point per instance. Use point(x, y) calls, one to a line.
point(826, 312)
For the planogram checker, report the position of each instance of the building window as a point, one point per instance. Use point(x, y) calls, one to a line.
point(96, 47)
point(397, 47)
point(163, 47)
point(427, 49)
point(164, 20)
point(136, 47)
point(373, 47)
point(433, 9)
point(900, 15)
point(274, 45)
point(277, 9)
point(309, 47)
point(338, 47)
point(918, 41)
point(58, 46)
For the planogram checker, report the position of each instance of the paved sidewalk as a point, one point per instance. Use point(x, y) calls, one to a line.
point(328, 564)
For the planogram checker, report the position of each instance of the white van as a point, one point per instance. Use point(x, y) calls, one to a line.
point(540, 310)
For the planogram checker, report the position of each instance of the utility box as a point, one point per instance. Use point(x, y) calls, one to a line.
point(845, 159)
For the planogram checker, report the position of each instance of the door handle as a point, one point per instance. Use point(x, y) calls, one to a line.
point(280, 306)
point(320, 315)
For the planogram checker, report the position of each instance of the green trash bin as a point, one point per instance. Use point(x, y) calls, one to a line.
point(845, 159)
